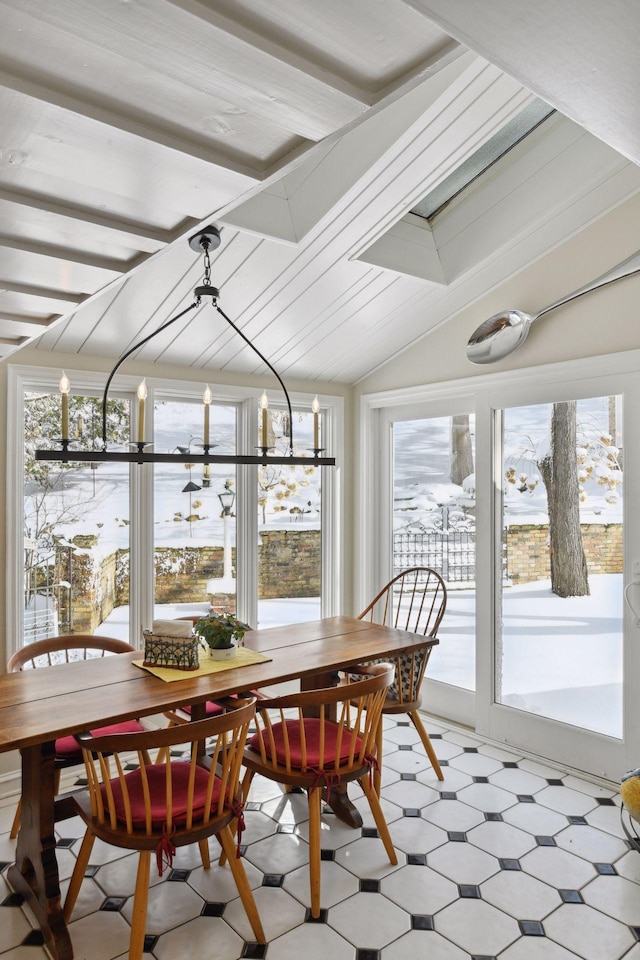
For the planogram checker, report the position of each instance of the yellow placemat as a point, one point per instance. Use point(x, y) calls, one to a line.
point(243, 658)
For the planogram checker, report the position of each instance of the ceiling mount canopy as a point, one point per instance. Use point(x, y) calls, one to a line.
point(204, 241)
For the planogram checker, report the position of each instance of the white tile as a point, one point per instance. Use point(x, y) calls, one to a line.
point(7, 848)
point(588, 932)
point(501, 839)
point(606, 818)
point(592, 844)
point(615, 896)
point(537, 820)
point(518, 781)
point(102, 852)
point(390, 810)
point(405, 761)
point(416, 835)
point(14, 927)
point(264, 789)
point(336, 884)
point(446, 750)
point(486, 797)
point(453, 779)
point(565, 800)
point(402, 735)
point(419, 889)
point(333, 832)
point(118, 878)
point(282, 852)
point(169, 905)
point(217, 884)
point(278, 912)
point(28, 953)
point(520, 895)
point(89, 898)
point(557, 867)
point(476, 764)
point(311, 941)
point(100, 936)
point(423, 943)
point(463, 863)
point(194, 939)
point(538, 948)
point(288, 808)
point(257, 827)
point(453, 815)
point(542, 769)
point(369, 920)
point(410, 793)
point(629, 866)
point(7, 813)
point(585, 786)
point(366, 858)
point(477, 927)
point(508, 756)
point(460, 739)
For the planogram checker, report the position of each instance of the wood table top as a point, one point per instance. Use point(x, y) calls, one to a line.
point(51, 702)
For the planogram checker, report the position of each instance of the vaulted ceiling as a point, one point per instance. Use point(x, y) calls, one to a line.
point(307, 132)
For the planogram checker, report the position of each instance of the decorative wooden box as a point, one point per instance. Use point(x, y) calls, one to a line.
point(177, 649)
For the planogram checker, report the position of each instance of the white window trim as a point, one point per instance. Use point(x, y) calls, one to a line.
point(22, 378)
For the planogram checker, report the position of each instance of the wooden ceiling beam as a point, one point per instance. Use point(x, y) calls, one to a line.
point(57, 252)
point(46, 293)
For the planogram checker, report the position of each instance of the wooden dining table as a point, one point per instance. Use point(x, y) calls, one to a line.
point(38, 706)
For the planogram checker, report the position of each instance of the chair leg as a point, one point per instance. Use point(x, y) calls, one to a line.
point(244, 889)
point(377, 774)
point(140, 899)
point(78, 874)
point(378, 816)
point(426, 742)
point(315, 864)
point(204, 854)
point(15, 826)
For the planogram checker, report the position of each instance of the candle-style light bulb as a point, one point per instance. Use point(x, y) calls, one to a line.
point(264, 404)
point(207, 397)
point(315, 406)
point(65, 387)
point(142, 396)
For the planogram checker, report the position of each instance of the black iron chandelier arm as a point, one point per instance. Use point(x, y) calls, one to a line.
point(124, 356)
point(269, 365)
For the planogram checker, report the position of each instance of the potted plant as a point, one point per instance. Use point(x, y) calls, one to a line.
point(220, 632)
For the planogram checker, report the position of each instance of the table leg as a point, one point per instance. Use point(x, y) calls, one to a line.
point(35, 872)
point(337, 798)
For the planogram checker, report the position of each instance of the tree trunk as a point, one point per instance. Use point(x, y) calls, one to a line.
point(569, 574)
point(461, 449)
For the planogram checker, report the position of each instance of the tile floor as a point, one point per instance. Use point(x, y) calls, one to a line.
point(507, 857)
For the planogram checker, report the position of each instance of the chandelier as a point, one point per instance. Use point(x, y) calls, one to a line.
point(204, 241)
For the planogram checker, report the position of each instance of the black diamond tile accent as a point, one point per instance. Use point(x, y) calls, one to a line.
point(606, 869)
point(33, 939)
point(65, 843)
point(555, 783)
point(417, 859)
point(494, 817)
point(410, 812)
point(81, 782)
point(480, 779)
point(571, 896)
point(407, 776)
point(179, 876)
point(252, 805)
point(469, 749)
point(150, 943)
point(405, 746)
point(636, 932)
point(4, 864)
point(12, 900)
point(525, 798)
point(605, 801)
point(403, 723)
point(369, 886)
point(369, 832)
point(254, 951)
point(421, 921)
point(577, 821)
point(132, 766)
point(456, 836)
point(509, 864)
point(531, 928)
point(92, 869)
point(444, 763)
point(213, 909)
point(327, 854)
point(296, 790)
point(435, 736)
point(273, 880)
point(113, 904)
point(448, 795)
point(478, 957)
point(509, 765)
point(323, 918)
point(545, 841)
point(286, 828)
point(469, 891)
point(366, 953)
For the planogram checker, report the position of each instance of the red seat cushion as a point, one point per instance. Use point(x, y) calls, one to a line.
point(156, 775)
point(212, 709)
point(312, 738)
point(67, 747)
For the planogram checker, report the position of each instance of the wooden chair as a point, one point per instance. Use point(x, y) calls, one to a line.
point(415, 600)
point(55, 651)
point(318, 752)
point(161, 806)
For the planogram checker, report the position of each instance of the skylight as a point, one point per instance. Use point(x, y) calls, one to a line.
point(491, 151)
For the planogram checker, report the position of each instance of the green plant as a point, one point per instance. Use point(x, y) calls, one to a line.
point(219, 630)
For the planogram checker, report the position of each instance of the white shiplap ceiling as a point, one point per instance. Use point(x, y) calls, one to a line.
point(306, 131)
